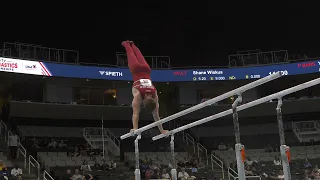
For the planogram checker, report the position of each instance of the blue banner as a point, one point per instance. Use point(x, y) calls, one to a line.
point(123, 74)
point(90, 72)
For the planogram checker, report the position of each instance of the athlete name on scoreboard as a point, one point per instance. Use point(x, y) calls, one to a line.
point(207, 72)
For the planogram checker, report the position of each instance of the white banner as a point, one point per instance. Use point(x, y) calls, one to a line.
point(23, 66)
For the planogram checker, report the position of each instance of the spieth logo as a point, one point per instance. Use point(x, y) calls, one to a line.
point(110, 73)
point(30, 67)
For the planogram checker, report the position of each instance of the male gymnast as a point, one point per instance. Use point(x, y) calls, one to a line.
point(142, 89)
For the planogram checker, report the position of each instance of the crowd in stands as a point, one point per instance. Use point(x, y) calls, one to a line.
point(187, 168)
point(14, 173)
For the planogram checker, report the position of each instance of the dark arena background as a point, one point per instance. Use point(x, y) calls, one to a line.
point(66, 92)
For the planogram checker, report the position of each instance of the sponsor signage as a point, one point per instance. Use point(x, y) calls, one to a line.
point(123, 74)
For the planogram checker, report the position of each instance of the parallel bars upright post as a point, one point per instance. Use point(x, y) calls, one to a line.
point(279, 96)
point(284, 150)
point(239, 148)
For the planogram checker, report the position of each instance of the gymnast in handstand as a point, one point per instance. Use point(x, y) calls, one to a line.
point(143, 90)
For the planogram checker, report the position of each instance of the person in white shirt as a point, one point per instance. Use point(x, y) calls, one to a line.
point(165, 175)
point(277, 161)
point(85, 166)
point(183, 175)
point(16, 171)
point(13, 145)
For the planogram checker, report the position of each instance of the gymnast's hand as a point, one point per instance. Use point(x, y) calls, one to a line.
point(164, 131)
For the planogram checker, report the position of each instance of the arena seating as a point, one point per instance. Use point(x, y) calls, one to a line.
point(159, 157)
point(5, 160)
point(44, 131)
point(51, 159)
point(297, 153)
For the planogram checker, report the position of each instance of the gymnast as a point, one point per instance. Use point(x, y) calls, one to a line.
point(143, 90)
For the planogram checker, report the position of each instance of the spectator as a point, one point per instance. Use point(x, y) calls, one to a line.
point(85, 166)
point(113, 165)
point(97, 166)
point(16, 171)
point(53, 144)
point(149, 173)
point(67, 176)
point(248, 171)
point(280, 175)
point(181, 163)
point(230, 147)
point(277, 161)
point(77, 175)
point(62, 144)
point(268, 148)
point(19, 178)
point(183, 175)
point(165, 175)
point(88, 177)
point(248, 162)
point(2, 166)
point(307, 164)
point(13, 145)
point(222, 147)
point(315, 173)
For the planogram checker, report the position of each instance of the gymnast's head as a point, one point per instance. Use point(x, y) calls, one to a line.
point(149, 103)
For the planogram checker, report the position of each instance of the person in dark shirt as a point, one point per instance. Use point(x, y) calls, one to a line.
point(66, 176)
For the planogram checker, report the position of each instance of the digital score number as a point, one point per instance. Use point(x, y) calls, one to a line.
point(283, 73)
point(199, 78)
point(256, 76)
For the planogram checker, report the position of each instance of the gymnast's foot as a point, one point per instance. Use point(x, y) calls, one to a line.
point(130, 42)
point(132, 130)
point(125, 43)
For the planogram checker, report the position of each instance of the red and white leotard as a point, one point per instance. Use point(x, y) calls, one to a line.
point(140, 71)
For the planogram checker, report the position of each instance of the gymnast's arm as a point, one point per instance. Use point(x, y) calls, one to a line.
point(136, 103)
point(156, 116)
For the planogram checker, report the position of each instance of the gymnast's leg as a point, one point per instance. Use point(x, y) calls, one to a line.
point(139, 55)
point(132, 59)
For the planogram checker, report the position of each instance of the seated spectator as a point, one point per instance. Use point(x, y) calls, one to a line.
point(62, 144)
point(315, 173)
point(222, 147)
point(2, 166)
point(183, 175)
point(248, 171)
point(52, 144)
point(113, 165)
point(154, 166)
point(280, 174)
point(105, 166)
point(16, 171)
point(268, 148)
point(97, 166)
point(66, 176)
point(77, 175)
point(88, 177)
point(277, 161)
point(35, 143)
point(149, 173)
point(181, 163)
point(307, 164)
point(230, 147)
point(248, 162)
point(165, 175)
point(85, 166)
